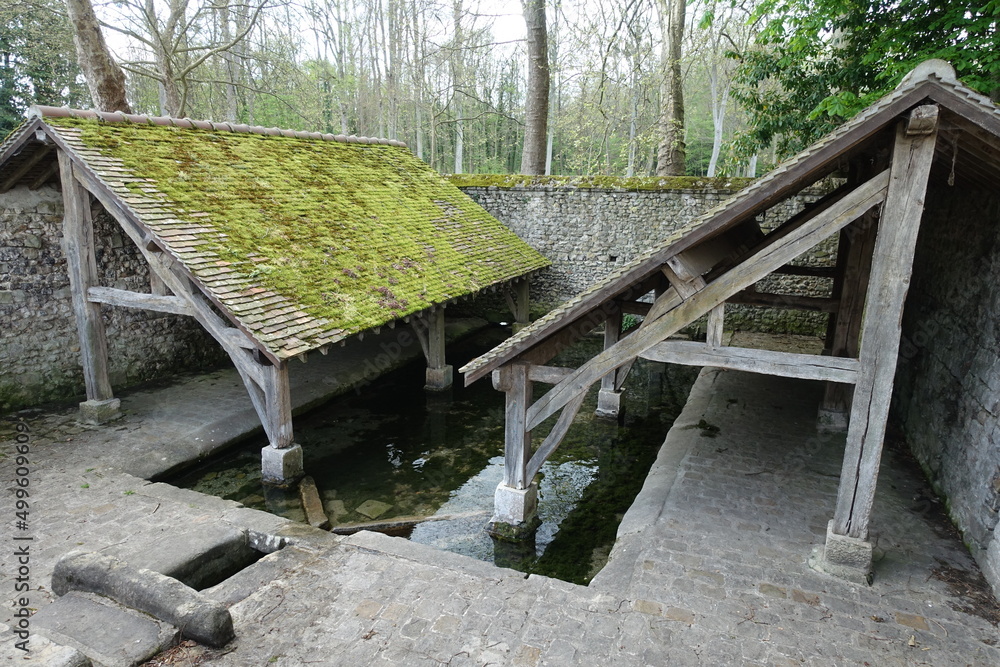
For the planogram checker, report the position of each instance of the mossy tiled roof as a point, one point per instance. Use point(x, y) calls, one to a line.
point(304, 238)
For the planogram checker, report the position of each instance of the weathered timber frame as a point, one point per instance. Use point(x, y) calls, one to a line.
point(889, 151)
point(174, 291)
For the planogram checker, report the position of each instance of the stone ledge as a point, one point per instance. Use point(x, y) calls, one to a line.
point(165, 598)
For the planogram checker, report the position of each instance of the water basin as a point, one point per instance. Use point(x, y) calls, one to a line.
point(425, 466)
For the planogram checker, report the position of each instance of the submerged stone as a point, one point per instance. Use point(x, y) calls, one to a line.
point(373, 509)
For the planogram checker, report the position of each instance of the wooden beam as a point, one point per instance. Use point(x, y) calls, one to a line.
point(25, 167)
point(750, 297)
point(810, 271)
point(890, 280)
point(767, 362)
point(778, 252)
point(174, 274)
point(81, 265)
point(44, 175)
point(517, 437)
point(548, 374)
point(554, 437)
point(278, 405)
point(126, 299)
point(612, 334)
point(435, 339)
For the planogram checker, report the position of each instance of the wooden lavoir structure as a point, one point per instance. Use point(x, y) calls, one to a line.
point(887, 154)
point(279, 243)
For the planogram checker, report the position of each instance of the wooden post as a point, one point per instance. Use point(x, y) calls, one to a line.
point(517, 439)
point(516, 500)
point(714, 330)
point(890, 279)
point(520, 302)
point(854, 261)
point(439, 374)
point(81, 265)
point(281, 459)
point(609, 397)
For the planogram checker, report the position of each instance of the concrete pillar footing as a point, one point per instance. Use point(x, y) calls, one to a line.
point(439, 379)
point(609, 403)
point(100, 412)
point(515, 514)
point(844, 557)
point(281, 467)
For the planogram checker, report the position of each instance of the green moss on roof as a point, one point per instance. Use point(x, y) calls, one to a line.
point(358, 234)
point(633, 183)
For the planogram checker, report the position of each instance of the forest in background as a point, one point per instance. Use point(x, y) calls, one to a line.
point(760, 78)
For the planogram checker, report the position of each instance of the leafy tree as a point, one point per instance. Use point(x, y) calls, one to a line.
point(818, 62)
point(37, 60)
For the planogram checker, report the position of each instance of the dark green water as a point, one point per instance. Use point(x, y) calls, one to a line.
point(394, 451)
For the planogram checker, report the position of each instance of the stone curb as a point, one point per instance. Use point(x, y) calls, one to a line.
point(167, 599)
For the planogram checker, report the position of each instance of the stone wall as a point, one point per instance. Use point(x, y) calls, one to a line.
point(947, 394)
point(39, 348)
point(588, 232)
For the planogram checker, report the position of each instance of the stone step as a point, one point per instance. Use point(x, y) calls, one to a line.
point(104, 631)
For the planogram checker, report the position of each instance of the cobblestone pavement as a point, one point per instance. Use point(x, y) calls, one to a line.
point(710, 568)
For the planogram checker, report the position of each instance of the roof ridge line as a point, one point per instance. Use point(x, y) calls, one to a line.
point(43, 112)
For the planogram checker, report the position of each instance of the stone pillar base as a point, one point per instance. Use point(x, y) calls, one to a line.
point(515, 513)
point(845, 557)
point(609, 403)
point(281, 467)
point(439, 379)
point(100, 412)
point(830, 420)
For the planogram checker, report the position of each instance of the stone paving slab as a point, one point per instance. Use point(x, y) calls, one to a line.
point(98, 627)
point(710, 568)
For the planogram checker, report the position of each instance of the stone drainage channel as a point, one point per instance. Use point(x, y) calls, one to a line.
point(394, 458)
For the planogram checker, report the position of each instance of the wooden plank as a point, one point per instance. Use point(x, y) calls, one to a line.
point(750, 297)
point(26, 166)
point(554, 437)
point(890, 280)
point(716, 320)
point(126, 299)
point(81, 265)
point(780, 251)
point(766, 362)
point(517, 438)
point(922, 120)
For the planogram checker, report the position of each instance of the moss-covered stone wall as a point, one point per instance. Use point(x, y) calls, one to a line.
point(39, 348)
point(589, 226)
point(947, 393)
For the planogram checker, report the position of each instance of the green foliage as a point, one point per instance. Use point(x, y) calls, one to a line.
point(37, 60)
point(819, 62)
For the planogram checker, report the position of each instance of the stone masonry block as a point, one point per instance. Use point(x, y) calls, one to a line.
point(845, 557)
point(281, 467)
point(100, 412)
point(439, 379)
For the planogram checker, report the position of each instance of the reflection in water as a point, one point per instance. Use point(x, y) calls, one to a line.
point(394, 454)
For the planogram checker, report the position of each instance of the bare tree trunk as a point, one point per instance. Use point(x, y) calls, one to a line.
point(536, 107)
point(457, 71)
point(672, 152)
point(105, 78)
